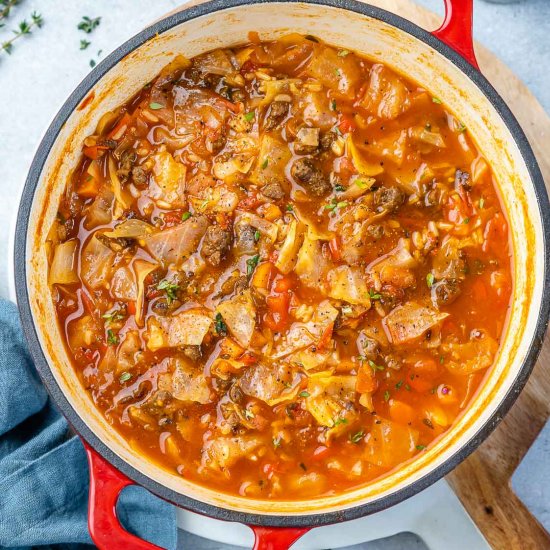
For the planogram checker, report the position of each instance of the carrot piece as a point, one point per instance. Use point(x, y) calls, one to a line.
point(334, 247)
point(283, 284)
point(325, 337)
point(94, 151)
point(366, 380)
point(263, 275)
point(347, 124)
point(120, 127)
point(400, 412)
point(131, 307)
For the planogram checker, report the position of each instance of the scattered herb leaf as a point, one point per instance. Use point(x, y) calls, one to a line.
point(374, 366)
point(481, 202)
point(124, 377)
point(170, 289)
point(430, 279)
point(256, 236)
point(420, 447)
point(113, 316)
point(339, 188)
point(399, 384)
point(437, 101)
point(219, 325)
point(88, 24)
point(386, 396)
point(185, 216)
point(264, 164)
point(339, 421)
point(249, 117)
point(466, 221)
point(251, 264)
point(373, 295)
point(155, 106)
point(112, 338)
point(276, 442)
point(304, 394)
point(343, 53)
point(289, 208)
point(357, 436)
point(84, 44)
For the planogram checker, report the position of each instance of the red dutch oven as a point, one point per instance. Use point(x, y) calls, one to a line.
point(444, 63)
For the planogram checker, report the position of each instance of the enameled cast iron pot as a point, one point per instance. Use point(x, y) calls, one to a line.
point(444, 63)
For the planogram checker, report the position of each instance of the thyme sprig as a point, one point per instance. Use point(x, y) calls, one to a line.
point(24, 28)
point(5, 9)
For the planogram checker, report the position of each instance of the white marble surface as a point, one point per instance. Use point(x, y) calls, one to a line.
point(45, 67)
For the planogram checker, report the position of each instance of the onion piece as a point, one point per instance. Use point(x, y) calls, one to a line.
point(122, 199)
point(361, 165)
point(288, 254)
point(263, 226)
point(141, 270)
point(63, 266)
point(131, 229)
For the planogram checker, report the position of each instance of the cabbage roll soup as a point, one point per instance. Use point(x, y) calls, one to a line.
point(281, 270)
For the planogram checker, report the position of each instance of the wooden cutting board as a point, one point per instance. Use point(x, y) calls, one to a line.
point(482, 482)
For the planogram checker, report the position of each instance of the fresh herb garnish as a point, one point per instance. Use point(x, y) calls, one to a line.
point(374, 366)
point(437, 101)
point(170, 289)
point(248, 414)
point(92, 63)
point(441, 359)
point(357, 436)
point(337, 72)
point(399, 384)
point(334, 204)
point(84, 44)
point(386, 396)
point(113, 316)
point(373, 295)
point(219, 325)
point(461, 128)
point(339, 188)
point(23, 29)
point(430, 279)
point(124, 377)
point(343, 53)
point(466, 221)
point(407, 387)
point(249, 117)
point(185, 216)
point(304, 394)
point(420, 447)
point(155, 106)
point(264, 164)
point(339, 421)
point(251, 264)
point(361, 183)
point(481, 202)
point(256, 236)
point(333, 105)
point(112, 338)
point(88, 24)
point(289, 208)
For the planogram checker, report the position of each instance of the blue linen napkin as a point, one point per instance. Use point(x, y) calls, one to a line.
point(43, 467)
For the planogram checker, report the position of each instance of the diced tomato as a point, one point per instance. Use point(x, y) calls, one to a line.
point(496, 233)
point(326, 337)
point(248, 358)
point(334, 247)
point(347, 124)
point(120, 127)
point(131, 307)
point(250, 202)
point(88, 303)
point(173, 218)
point(366, 379)
point(95, 151)
point(277, 317)
point(283, 284)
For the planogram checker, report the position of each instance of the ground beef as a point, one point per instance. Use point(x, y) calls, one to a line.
point(305, 172)
point(277, 113)
point(388, 198)
point(445, 292)
point(241, 284)
point(215, 245)
point(326, 141)
point(116, 244)
point(192, 352)
point(273, 191)
point(246, 241)
point(125, 165)
point(139, 176)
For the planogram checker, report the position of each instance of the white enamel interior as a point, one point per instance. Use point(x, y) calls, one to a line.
point(379, 41)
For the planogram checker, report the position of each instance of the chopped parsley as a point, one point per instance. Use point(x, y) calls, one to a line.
point(92, 63)
point(399, 384)
point(343, 53)
point(361, 183)
point(430, 279)
point(84, 44)
point(264, 164)
point(185, 216)
point(407, 387)
point(333, 105)
point(170, 290)
point(113, 316)
point(249, 117)
point(289, 208)
point(337, 73)
point(124, 377)
point(155, 106)
point(373, 295)
point(441, 359)
point(339, 188)
point(374, 366)
point(304, 394)
point(481, 202)
point(88, 24)
point(251, 264)
point(219, 325)
point(386, 396)
point(256, 236)
point(466, 221)
point(339, 421)
point(357, 436)
point(461, 128)
point(112, 338)
point(248, 414)
point(420, 447)
point(437, 101)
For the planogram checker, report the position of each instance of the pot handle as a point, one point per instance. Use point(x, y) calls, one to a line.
point(276, 538)
point(456, 30)
point(106, 483)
